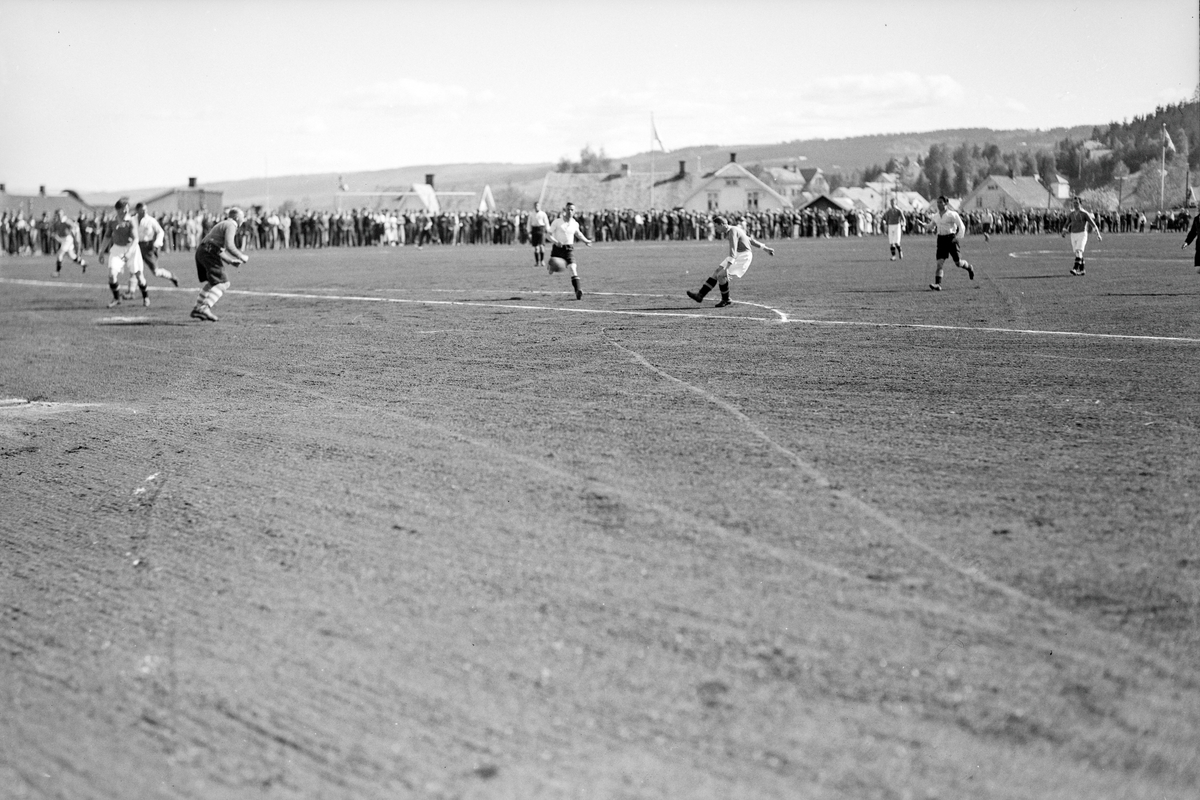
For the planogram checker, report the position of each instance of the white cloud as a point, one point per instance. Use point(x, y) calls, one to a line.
point(404, 94)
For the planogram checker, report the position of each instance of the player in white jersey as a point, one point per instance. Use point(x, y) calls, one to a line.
point(66, 232)
point(151, 238)
point(562, 234)
point(538, 221)
point(1078, 223)
point(735, 264)
point(119, 248)
point(950, 229)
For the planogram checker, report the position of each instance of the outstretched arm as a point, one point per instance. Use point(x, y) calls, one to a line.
point(756, 243)
point(231, 244)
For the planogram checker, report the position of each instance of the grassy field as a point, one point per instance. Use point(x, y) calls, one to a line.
point(420, 524)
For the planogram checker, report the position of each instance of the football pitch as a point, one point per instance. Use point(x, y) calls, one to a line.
point(420, 524)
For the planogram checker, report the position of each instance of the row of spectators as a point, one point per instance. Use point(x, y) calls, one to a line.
point(371, 228)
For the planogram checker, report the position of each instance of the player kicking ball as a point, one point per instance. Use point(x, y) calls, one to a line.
point(735, 264)
point(218, 249)
point(562, 234)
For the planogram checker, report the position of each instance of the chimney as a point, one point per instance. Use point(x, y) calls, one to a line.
point(42, 190)
point(624, 170)
point(732, 158)
point(2, 189)
point(682, 167)
point(429, 179)
point(191, 183)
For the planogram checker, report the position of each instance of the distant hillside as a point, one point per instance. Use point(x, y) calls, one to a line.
point(855, 153)
point(521, 183)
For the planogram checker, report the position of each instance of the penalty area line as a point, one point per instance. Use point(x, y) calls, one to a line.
point(1021, 331)
point(476, 304)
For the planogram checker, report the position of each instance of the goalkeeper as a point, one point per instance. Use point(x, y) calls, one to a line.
point(218, 248)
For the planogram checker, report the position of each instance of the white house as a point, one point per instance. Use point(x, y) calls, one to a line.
point(734, 188)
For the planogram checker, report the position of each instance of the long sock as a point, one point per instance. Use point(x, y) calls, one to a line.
point(58, 266)
point(116, 290)
point(708, 286)
point(938, 277)
point(575, 286)
point(724, 287)
point(144, 289)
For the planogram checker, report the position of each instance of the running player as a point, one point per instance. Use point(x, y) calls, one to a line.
point(150, 241)
point(562, 233)
point(1192, 235)
point(735, 264)
point(537, 233)
point(66, 231)
point(218, 248)
point(950, 229)
point(119, 245)
point(1078, 223)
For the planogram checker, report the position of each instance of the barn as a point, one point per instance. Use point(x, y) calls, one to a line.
point(187, 200)
point(596, 191)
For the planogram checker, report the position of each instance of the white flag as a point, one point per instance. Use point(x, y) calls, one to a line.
point(1167, 143)
point(654, 134)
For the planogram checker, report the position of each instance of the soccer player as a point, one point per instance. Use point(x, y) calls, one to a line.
point(735, 264)
point(66, 231)
point(1078, 223)
point(1193, 234)
point(562, 233)
point(218, 247)
point(894, 219)
point(119, 246)
point(950, 229)
point(150, 241)
point(537, 233)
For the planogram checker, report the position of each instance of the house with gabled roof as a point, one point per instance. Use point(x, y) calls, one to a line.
point(734, 188)
point(35, 205)
point(1002, 193)
point(596, 191)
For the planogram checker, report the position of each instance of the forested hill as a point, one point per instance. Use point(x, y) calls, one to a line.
point(856, 153)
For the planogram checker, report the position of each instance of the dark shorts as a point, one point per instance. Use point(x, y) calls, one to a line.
point(564, 251)
point(149, 255)
point(209, 266)
point(947, 247)
point(537, 236)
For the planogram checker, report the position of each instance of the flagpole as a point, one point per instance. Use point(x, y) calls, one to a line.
point(1162, 173)
point(651, 159)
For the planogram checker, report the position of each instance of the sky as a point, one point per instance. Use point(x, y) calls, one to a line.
point(104, 95)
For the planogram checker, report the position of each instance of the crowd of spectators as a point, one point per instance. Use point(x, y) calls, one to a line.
point(391, 227)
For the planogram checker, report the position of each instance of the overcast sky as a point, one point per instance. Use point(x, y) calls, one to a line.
point(110, 94)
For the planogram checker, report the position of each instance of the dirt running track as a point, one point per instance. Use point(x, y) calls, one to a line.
point(420, 525)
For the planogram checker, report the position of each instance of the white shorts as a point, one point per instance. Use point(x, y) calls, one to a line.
point(737, 265)
point(130, 258)
point(66, 248)
point(894, 234)
point(1079, 241)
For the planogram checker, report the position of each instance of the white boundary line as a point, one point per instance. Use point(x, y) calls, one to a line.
point(780, 318)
